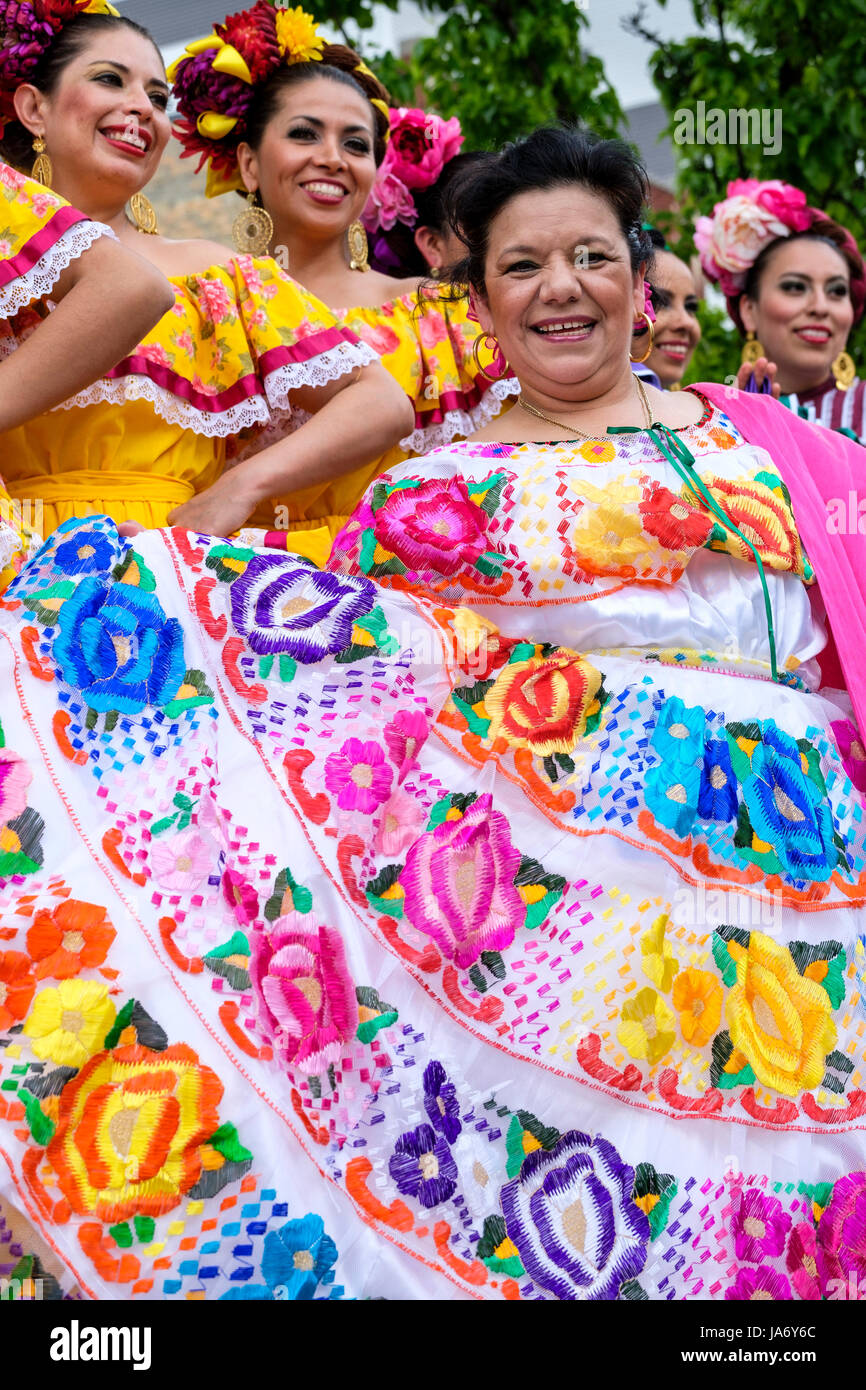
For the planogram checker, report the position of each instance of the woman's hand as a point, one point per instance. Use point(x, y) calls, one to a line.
point(763, 370)
point(127, 529)
point(220, 510)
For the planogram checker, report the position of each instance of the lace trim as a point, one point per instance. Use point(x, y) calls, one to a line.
point(256, 410)
point(460, 424)
point(38, 282)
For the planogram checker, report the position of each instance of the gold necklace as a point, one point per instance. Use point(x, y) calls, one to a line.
point(533, 410)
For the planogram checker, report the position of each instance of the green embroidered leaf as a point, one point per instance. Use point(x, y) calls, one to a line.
point(230, 961)
point(287, 896)
point(723, 1070)
point(133, 570)
point(121, 1234)
point(632, 1291)
point(28, 829)
point(497, 1251)
point(194, 690)
point(374, 1013)
point(828, 962)
point(838, 1073)
point(525, 1133)
point(145, 1228)
point(228, 561)
point(725, 964)
point(225, 1140)
point(490, 564)
point(40, 1125)
point(46, 604)
point(741, 757)
point(385, 881)
point(653, 1192)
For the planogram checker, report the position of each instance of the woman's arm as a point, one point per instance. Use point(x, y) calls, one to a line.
point(107, 299)
point(356, 419)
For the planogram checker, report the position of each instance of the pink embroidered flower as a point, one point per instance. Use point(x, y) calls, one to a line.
point(421, 145)
point(305, 998)
point(403, 819)
point(378, 336)
point(359, 775)
point(432, 328)
point(433, 527)
point(185, 343)
point(759, 1225)
point(10, 178)
point(459, 884)
point(801, 1259)
point(153, 352)
point(41, 203)
point(761, 1284)
point(851, 751)
point(241, 897)
point(404, 737)
point(842, 1237)
point(181, 862)
point(15, 778)
point(390, 201)
point(752, 215)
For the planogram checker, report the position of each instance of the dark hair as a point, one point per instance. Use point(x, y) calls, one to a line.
point(394, 251)
point(823, 229)
point(339, 64)
point(550, 157)
point(16, 144)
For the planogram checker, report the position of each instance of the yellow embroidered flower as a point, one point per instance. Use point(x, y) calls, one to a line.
point(648, 1027)
point(777, 1018)
point(609, 537)
point(763, 517)
point(542, 704)
point(658, 962)
point(298, 36)
point(698, 1000)
point(68, 1024)
point(597, 451)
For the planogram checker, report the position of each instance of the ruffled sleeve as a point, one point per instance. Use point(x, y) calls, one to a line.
point(238, 341)
point(426, 342)
point(40, 235)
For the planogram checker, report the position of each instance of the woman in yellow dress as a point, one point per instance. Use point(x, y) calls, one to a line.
point(105, 298)
point(241, 345)
point(304, 126)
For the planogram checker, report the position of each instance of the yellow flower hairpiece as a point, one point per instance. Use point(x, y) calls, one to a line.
point(100, 7)
point(298, 36)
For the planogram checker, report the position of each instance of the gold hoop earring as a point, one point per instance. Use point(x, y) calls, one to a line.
point(498, 357)
point(42, 171)
point(143, 214)
point(649, 324)
point(752, 350)
point(359, 248)
point(843, 370)
point(252, 229)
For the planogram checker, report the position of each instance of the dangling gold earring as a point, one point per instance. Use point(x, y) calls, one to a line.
point(649, 324)
point(42, 171)
point(252, 229)
point(143, 214)
point(843, 370)
point(752, 349)
point(359, 249)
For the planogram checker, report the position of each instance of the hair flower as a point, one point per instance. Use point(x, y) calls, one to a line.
point(419, 147)
point(298, 36)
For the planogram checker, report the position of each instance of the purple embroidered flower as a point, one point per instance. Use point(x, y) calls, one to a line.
point(759, 1225)
point(758, 1285)
point(571, 1214)
point(422, 1166)
point(459, 884)
point(440, 1101)
point(359, 775)
point(801, 1260)
point(851, 751)
point(279, 606)
point(842, 1233)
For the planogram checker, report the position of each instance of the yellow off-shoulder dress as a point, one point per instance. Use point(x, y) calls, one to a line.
point(40, 235)
point(150, 434)
point(425, 341)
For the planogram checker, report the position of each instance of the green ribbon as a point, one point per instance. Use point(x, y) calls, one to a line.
point(683, 463)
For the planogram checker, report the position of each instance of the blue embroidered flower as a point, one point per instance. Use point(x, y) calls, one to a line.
point(572, 1216)
point(717, 799)
point(295, 1260)
point(788, 811)
point(422, 1166)
point(679, 732)
point(672, 792)
point(440, 1101)
point(88, 551)
point(280, 606)
point(117, 647)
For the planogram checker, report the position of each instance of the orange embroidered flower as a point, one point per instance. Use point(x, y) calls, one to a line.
point(542, 704)
point(72, 936)
point(723, 438)
point(130, 1131)
point(698, 1000)
point(763, 517)
point(17, 985)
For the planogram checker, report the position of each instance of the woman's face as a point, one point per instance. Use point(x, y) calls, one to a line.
point(676, 331)
point(803, 313)
point(561, 296)
point(315, 165)
point(106, 123)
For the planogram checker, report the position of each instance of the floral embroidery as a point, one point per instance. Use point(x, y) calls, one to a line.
point(432, 526)
point(71, 937)
point(697, 998)
point(648, 1027)
point(304, 613)
point(763, 1283)
point(68, 1024)
point(17, 987)
point(440, 1101)
point(841, 1240)
point(543, 703)
point(359, 775)
point(759, 1225)
point(305, 997)
point(422, 1166)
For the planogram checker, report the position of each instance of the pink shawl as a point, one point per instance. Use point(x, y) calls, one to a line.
point(823, 472)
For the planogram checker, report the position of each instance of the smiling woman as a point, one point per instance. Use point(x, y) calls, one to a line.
point(243, 345)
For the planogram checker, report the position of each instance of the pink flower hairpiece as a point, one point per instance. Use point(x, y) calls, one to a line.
point(418, 150)
point(754, 214)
